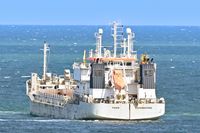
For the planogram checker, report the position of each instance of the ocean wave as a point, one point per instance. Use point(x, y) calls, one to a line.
point(33, 120)
point(184, 114)
point(2, 86)
point(12, 112)
point(50, 120)
point(4, 61)
point(191, 114)
point(3, 120)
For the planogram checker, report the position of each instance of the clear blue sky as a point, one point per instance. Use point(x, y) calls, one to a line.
point(100, 12)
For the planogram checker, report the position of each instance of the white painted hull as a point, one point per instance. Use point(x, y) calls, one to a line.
point(99, 111)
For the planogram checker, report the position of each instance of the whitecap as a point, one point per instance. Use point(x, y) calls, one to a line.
point(172, 67)
point(34, 39)
point(24, 76)
point(193, 61)
point(182, 29)
point(6, 77)
point(18, 72)
point(74, 43)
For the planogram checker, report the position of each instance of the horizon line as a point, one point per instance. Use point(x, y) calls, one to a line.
point(98, 25)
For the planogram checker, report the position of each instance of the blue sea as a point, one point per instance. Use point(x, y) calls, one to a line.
point(176, 49)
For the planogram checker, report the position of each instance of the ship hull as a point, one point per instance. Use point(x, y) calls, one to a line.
point(99, 111)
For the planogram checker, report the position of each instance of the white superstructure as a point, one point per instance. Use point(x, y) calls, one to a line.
point(106, 85)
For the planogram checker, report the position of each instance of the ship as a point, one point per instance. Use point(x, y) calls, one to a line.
point(109, 84)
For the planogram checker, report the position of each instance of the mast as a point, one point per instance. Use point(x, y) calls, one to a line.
point(117, 33)
point(124, 47)
point(46, 48)
point(129, 41)
point(115, 37)
point(84, 57)
point(99, 43)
